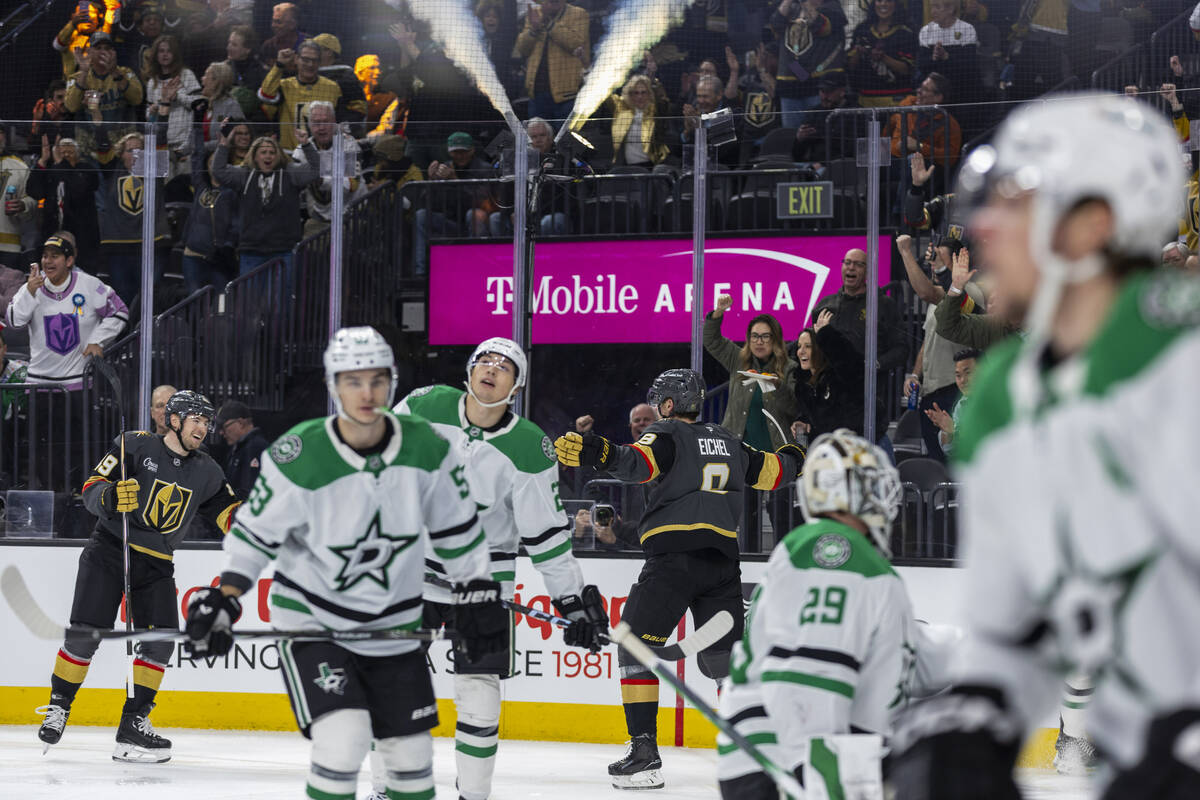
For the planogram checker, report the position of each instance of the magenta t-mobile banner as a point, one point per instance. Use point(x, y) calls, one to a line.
point(635, 291)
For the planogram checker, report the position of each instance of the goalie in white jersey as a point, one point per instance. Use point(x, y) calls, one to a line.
point(346, 507)
point(1077, 455)
point(513, 477)
point(830, 649)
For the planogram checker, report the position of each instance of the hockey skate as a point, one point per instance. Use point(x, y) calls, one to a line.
point(137, 742)
point(641, 768)
point(1074, 755)
point(53, 724)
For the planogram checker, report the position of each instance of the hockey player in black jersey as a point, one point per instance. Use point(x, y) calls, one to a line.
point(700, 474)
point(169, 480)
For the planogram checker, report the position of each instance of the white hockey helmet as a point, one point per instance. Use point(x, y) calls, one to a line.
point(1068, 148)
point(358, 348)
point(498, 345)
point(845, 472)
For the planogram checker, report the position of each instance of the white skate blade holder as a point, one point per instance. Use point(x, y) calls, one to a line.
point(133, 754)
point(646, 779)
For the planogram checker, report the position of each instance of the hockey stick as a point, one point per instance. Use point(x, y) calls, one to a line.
point(39, 623)
point(702, 638)
point(644, 655)
point(110, 375)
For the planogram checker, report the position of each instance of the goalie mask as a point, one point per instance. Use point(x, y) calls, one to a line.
point(358, 348)
point(500, 346)
point(845, 472)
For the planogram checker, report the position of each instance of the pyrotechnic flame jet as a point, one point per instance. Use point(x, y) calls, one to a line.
point(455, 27)
point(633, 28)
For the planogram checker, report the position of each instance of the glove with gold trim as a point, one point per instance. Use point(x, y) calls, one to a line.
point(121, 496)
point(588, 450)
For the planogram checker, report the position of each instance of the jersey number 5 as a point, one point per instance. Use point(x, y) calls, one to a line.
point(713, 477)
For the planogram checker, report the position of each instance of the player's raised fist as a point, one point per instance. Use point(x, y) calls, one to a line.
point(588, 450)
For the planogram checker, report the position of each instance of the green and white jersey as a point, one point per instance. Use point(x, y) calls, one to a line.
point(513, 476)
point(1079, 516)
point(829, 648)
point(348, 534)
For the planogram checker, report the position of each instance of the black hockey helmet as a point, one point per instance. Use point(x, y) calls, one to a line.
point(187, 403)
point(684, 386)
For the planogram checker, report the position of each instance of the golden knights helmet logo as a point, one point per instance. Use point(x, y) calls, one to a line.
point(130, 194)
point(166, 506)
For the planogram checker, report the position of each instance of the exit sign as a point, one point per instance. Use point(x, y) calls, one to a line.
point(804, 200)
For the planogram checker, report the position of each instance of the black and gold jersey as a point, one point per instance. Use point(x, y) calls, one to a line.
point(700, 473)
point(173, 489)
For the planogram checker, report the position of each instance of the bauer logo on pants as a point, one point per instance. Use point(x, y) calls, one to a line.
point(166, 506)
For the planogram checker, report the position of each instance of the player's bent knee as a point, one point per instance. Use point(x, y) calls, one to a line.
point(477, 700)
point(714, 665)
point(340, 739)
point(81, 649)
point(158, 652)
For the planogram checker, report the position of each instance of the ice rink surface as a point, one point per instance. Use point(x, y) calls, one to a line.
point(259, 765)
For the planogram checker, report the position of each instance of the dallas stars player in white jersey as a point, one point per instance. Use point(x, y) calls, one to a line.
point(830, 650)
point(513, 477)
point(1075, 453)
point(345, 507)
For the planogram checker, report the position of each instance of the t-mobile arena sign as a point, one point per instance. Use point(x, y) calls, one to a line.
point(634, 291)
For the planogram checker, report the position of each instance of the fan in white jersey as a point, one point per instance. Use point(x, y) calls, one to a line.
point(1076, 455)
point(831, 647)
point(513, 477)
point(346, 507)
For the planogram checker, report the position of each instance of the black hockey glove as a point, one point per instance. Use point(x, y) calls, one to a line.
point(1169, 768)
point(963, 743)
point(481, 622)
point(210, 619)
point(588, 450)
point(589, 623)
point(797, 454)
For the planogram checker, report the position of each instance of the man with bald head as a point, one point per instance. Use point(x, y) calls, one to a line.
point(158, 408)
point(849, 308)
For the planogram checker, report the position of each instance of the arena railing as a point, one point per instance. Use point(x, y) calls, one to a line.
point(1126, 69)
point(1175, 38)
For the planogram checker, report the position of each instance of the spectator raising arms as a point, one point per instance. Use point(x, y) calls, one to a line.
point(110, 93)
point(170, 90)
point(73, 40)
point(286, 96)
point(829, 384)
point(761, 400)
point(553, 32)
point(811, 34)
point(639, 137)
point(882, 57)
point(269, 206)
point(210, 238)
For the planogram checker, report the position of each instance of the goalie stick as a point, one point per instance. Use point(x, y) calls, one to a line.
point(645, 655)
point(702, 638)
point(39, 623)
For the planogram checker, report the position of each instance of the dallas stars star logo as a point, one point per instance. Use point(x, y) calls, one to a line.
point(370, 556)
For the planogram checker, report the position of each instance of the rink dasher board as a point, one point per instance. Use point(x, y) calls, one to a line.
point(558, 693)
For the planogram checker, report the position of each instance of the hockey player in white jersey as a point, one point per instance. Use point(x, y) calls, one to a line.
point(830, 637)
point(346, 507)
point(1076, 453)
point(513, 477)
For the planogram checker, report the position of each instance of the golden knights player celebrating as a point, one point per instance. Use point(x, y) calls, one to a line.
point(169, 481)
point(346, 508)
point(513, 479)
point(1078, 456)
point(689, 532)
